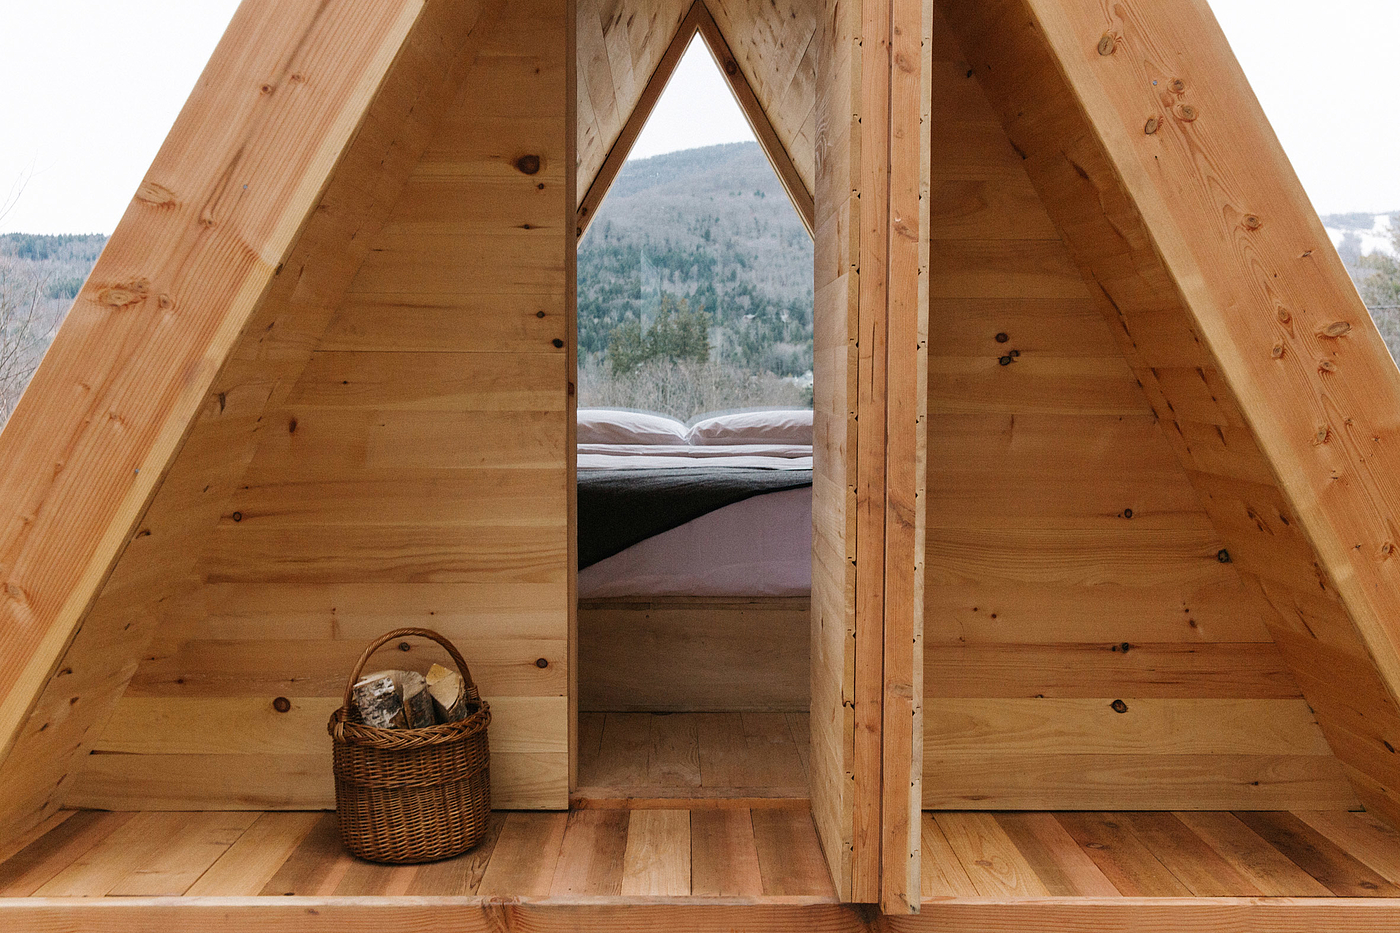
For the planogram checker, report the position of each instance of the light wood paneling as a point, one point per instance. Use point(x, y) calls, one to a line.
point(623, 43)
point(1209, 265)
point(690, 654)
point(244, 235)
point(393, 481)
point(1074, 566)
point(834, 319)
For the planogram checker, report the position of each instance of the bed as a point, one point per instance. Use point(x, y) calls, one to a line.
point(694, 560)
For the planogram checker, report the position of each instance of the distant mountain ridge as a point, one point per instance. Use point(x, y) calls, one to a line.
point(714, 226)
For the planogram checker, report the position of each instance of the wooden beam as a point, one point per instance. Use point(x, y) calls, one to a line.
point(700, 914)
point(909, 64)
point(632, 128)
point(241, 171)
point(1269, 296)
point(762, 126)
point(698, 20)
point(466, 914)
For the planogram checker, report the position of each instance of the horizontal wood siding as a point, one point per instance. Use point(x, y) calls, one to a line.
point(1085, 646)
point(413, 477)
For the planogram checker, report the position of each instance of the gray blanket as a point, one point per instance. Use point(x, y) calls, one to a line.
point(618, 508)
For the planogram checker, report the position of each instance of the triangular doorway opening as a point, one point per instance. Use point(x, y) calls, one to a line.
point(697, 22)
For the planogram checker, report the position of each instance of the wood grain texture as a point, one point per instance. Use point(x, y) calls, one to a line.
point(694, 655)
point(292, 98)
point(462, 544)
point(657, 859)
point(1202, 252)
point(834, 448)
point(628, 49)
point(1060, 506)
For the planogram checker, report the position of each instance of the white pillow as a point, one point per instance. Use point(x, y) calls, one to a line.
point(780, 426)
point(620, 426)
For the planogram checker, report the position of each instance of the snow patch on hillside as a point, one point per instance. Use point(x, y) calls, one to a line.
point(1375, 238)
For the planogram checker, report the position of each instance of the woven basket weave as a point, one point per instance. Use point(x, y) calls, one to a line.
point(411, 795)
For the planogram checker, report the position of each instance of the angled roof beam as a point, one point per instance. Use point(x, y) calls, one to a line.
point(699, 20)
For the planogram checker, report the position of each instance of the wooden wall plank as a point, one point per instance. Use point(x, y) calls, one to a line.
point(834, 443)
point(1212, 290)
point(687, 654)
point(338, 130)
point(310, 530)
point(1073, 559)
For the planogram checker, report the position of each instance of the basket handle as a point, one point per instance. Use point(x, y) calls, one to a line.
point(382, 640)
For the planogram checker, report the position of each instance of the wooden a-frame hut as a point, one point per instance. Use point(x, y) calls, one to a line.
point(1104, 630)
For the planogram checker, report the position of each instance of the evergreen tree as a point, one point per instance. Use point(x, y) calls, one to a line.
point(677, 335)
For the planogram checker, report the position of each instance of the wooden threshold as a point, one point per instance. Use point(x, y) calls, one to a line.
point(703, 915)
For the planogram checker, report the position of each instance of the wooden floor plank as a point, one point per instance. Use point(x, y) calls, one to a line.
point(373, 879)
point(16, 844)
point(460, 876)
point(316, 865)
point(723, 854)
point(1317, 855)
point(942, 875)
point(1056, 858)
point(251, 862)
point(657, 860)
point(179, 862)
point(1121, 856)
point(1268, 868)
point(667, 758)
point(789, 854)
point(1364, 837)
point(673, 760)
point(45, 857)
point(623, 750)
point(526, 854)
point(1189, 857)
point(590, 742)
point(590, 861)
point(992, 862)
point(104, 866)
point(770, 751)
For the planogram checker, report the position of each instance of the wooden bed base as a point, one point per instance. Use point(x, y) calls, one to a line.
point(694, 654)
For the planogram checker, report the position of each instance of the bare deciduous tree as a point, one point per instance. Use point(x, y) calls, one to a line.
point(24, 330)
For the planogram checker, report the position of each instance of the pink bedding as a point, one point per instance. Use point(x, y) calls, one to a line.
point(758, 547)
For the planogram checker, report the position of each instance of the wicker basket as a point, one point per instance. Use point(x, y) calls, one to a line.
point(411, 795)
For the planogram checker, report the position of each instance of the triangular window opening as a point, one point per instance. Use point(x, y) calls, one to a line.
point(694, 509)
point(695, 270)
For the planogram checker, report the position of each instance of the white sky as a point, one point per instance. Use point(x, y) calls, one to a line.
point(90, 88)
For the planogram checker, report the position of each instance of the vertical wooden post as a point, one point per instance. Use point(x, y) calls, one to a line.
point(870, 326)
point(571, 365)
point(906, 383)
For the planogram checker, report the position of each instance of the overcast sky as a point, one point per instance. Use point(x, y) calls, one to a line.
point(90, 88)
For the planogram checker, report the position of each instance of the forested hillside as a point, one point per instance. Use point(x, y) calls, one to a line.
point(703, 240)
point(39, 275)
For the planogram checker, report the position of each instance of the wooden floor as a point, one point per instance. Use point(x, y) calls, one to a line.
point(708, 870)
point(1324, 853)
point(589, 853)
point(754, 760)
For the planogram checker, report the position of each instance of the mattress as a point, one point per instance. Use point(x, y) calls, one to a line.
point(720, 509)
point(760, 546)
